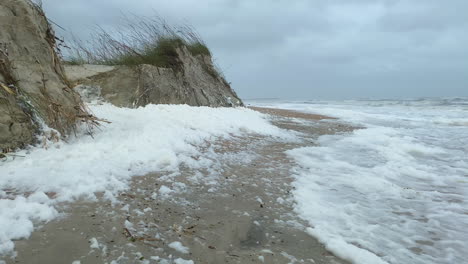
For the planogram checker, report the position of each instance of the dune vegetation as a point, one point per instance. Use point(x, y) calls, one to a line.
point(138, 41)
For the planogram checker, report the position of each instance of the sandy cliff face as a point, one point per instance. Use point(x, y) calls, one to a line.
point(35, 92)
point(195, 82)
point(32, 84)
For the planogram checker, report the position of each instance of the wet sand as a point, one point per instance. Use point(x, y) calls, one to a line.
point(237, 210)
point(289, 113)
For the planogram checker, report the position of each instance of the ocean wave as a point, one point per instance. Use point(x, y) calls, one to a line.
point(395, 192)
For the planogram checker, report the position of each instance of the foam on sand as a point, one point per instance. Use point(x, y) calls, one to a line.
point(138, 141)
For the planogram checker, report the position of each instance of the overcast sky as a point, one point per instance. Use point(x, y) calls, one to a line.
point(312, 49)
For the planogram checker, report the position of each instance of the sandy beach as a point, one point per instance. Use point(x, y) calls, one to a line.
point(322, 132)
point(237, 211)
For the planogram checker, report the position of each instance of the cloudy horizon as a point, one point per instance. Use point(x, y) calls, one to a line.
point(311, 49)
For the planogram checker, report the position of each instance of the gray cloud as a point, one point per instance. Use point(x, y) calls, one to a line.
point(312, 49)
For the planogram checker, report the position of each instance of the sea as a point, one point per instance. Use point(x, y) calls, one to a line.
point(393, 191)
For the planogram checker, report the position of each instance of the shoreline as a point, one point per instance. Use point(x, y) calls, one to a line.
point(289, 113)
point(238, 211)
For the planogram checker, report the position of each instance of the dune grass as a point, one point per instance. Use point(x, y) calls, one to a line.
point(163, 53)
point(139, 41)
point(74, 61)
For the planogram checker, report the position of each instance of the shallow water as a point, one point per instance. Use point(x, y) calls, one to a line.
point(394, 192)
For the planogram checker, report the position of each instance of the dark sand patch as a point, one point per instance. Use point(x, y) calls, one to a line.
point(289, 113)
point(237, 210)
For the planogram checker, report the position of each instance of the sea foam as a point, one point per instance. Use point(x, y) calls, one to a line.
point(393, 192)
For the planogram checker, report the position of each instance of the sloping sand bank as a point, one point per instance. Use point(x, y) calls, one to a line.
point(237, 211)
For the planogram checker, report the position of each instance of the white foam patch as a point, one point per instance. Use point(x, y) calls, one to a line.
point(138, 141)
point(94, 244)
point(179, 247)
point(183, 261)
point(16, 219)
